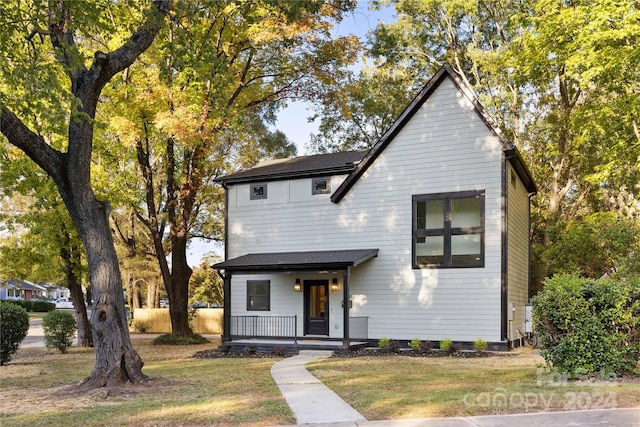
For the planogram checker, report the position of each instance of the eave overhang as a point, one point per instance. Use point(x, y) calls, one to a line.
point(297, 261)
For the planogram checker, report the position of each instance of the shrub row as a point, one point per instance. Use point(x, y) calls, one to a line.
point(589, 327)
point(36, 306)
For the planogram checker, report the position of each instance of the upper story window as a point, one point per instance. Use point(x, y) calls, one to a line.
point(258, 295)
point(258, 191)
point(320, 186)
point(448, 230)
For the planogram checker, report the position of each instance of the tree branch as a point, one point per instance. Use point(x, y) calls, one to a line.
point(32, 144)
point(108, 65)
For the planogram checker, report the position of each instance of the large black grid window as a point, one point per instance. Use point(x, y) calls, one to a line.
point(258, 295)
point(448, 230)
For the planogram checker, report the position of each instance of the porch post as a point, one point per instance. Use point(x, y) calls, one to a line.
point(345, 308)
point(226, 318)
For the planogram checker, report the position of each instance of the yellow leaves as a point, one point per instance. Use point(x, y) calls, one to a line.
point(127, 130)
point(182, 122)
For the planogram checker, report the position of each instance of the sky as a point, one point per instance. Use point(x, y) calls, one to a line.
point(293, 120)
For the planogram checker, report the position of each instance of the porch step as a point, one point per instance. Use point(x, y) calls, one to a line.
point(317, 353)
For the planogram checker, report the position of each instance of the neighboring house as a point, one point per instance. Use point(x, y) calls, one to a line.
point(21, 289)
point(10, 291)
point(425, 236)
point(55, 292)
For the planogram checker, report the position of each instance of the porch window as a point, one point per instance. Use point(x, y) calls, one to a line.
point(258, 295)
point(448, 230)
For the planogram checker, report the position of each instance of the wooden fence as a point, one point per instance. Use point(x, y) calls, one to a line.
point(205, 321)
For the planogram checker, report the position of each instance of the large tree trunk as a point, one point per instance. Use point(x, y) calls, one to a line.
point(116, 361)
point(179, 285)
point(153, 295)
point(176, 280)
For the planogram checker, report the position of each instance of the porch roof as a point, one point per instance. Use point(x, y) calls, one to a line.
point(297, 261)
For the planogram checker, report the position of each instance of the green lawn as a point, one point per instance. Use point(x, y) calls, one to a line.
point(36, 315)
point(241, 392)
point(409, 387)
point(183, 391)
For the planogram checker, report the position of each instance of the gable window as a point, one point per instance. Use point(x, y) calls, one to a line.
point(258, 191)
point(448, 230)
point(258, 295)
point(320, 186)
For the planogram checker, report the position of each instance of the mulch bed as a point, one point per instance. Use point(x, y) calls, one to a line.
point(365, 352)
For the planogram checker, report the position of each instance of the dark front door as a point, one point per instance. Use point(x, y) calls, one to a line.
point(316, 307)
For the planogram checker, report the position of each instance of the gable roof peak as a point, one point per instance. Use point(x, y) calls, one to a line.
point(446, 71)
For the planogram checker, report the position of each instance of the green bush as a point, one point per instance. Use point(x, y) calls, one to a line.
point(42, 306)
point(59, 328)
point(445, 344)
point(141, 326)
point(480, 344)
point(589, 327)
point(37, 306)
point(415, 344)
point(14, 325)
point(383, 343)
point(177, 339)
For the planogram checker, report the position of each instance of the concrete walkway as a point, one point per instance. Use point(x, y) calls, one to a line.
point(311, 401)
point(315, 405)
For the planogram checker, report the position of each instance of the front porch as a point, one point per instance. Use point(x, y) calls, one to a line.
point(265, 334)
point(310, 315)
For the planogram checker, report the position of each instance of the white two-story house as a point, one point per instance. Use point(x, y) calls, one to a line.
point(425, 235)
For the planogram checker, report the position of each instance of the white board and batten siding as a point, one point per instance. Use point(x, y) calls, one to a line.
point(445, 147)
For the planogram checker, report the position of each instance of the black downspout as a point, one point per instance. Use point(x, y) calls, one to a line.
point(529, 249)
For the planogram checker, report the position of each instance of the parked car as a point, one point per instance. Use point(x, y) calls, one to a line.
point(199, 304)
point(64, 303)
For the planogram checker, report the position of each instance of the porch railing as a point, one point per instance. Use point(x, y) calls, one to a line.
point(274, 327)
point(286, 327)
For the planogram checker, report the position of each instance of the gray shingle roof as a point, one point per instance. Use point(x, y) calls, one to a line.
point(297, 261)
point(303, 166)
